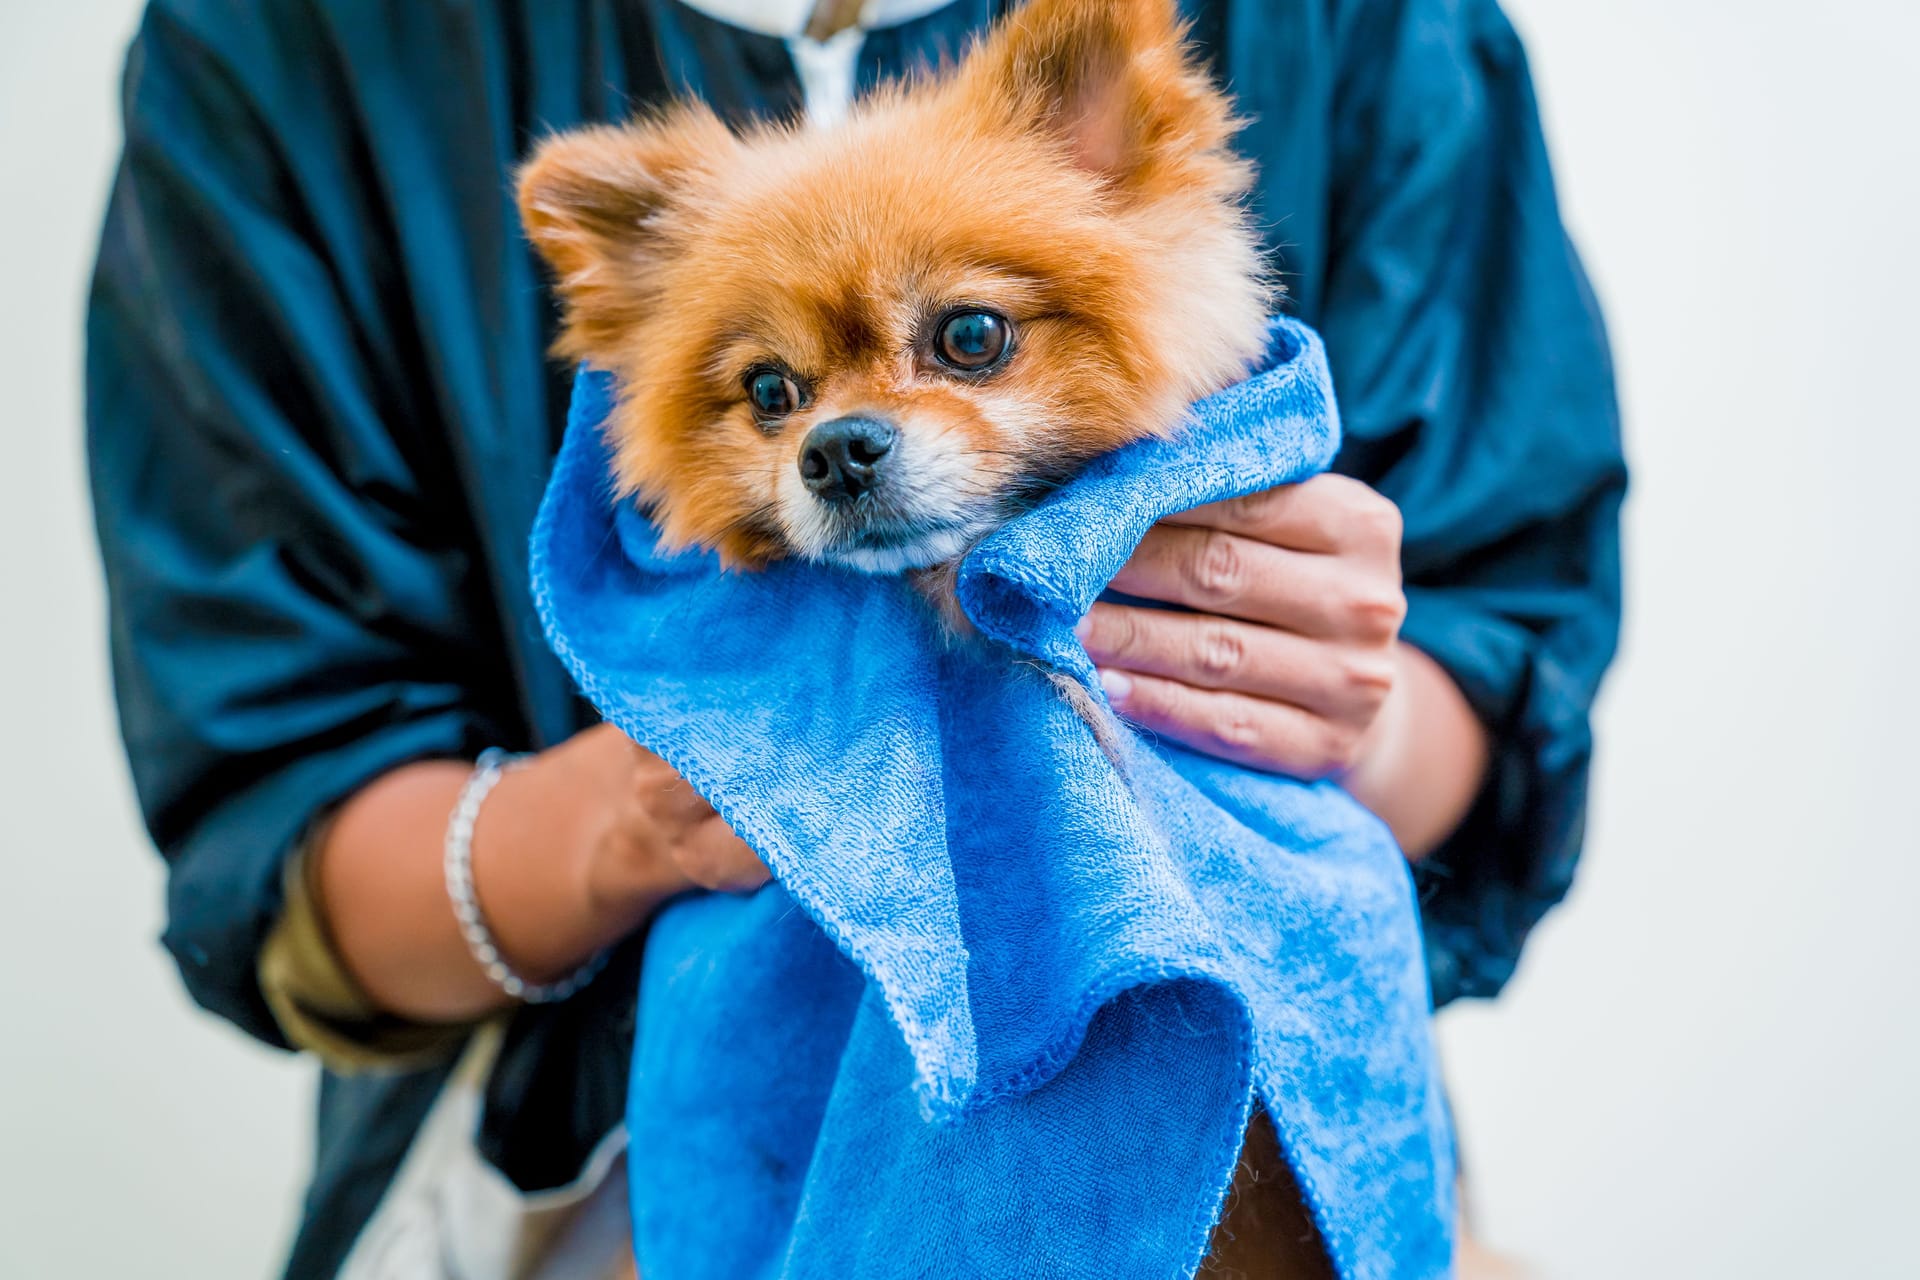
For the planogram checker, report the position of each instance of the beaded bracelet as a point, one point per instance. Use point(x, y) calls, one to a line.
point(458, 862)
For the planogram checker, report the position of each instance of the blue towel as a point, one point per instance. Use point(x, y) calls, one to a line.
point(1004, 1012)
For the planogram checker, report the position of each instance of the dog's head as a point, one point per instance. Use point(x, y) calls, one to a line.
point(873, 343)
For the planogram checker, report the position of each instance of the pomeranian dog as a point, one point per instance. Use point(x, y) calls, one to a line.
point(871, 344)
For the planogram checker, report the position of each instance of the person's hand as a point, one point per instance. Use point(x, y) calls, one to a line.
point(573, 850)
point(605, 832)
point(1290, 659)
point(654, 835)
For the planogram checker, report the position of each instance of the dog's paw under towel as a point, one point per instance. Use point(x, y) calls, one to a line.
point(1005, 1012)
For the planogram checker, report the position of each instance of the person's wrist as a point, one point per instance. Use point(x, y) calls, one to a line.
point(1429, 759)
point(534, 844)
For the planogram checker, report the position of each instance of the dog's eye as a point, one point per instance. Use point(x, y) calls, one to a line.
point(774, 394)
point(971, 340)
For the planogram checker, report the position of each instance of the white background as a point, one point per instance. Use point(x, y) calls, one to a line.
point(1709, 1065)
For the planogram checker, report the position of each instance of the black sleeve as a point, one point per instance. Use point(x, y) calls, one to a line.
point(294, 597)
point(1477, 393)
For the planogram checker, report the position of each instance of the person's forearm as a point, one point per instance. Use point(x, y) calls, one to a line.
point(559, 875)
point(1428, 757)
point(383, 891)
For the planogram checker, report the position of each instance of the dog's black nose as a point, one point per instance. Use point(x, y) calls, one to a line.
point(839, 458)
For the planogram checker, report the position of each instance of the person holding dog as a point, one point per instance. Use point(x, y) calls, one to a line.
point(320, 417)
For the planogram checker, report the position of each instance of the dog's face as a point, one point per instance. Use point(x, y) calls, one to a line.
point(870, 345)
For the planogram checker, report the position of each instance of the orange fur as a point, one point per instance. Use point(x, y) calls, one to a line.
point(1072, 173)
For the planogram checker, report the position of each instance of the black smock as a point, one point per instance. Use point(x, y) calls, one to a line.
point(320, 419)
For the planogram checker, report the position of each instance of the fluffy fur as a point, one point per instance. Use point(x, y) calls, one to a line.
point(1072, 173)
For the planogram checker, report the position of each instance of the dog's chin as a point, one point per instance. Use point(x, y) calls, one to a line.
point(893, 532)
point(897, 553)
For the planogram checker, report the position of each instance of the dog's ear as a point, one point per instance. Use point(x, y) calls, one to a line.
point(1114, 79)
point(594, 201)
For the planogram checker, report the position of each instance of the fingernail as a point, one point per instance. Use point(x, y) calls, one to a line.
point(1117, 684)
point(1083, 628)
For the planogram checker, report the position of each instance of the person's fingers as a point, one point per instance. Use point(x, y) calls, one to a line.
point(1249, 731)
point(713, 857)
point(1326, 514)
point(1222, 573)
point(1221, 653)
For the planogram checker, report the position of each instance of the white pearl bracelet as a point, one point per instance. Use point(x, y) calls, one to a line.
point(458, 862)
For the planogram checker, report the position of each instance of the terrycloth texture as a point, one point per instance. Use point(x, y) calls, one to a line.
point(1016, 1026)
